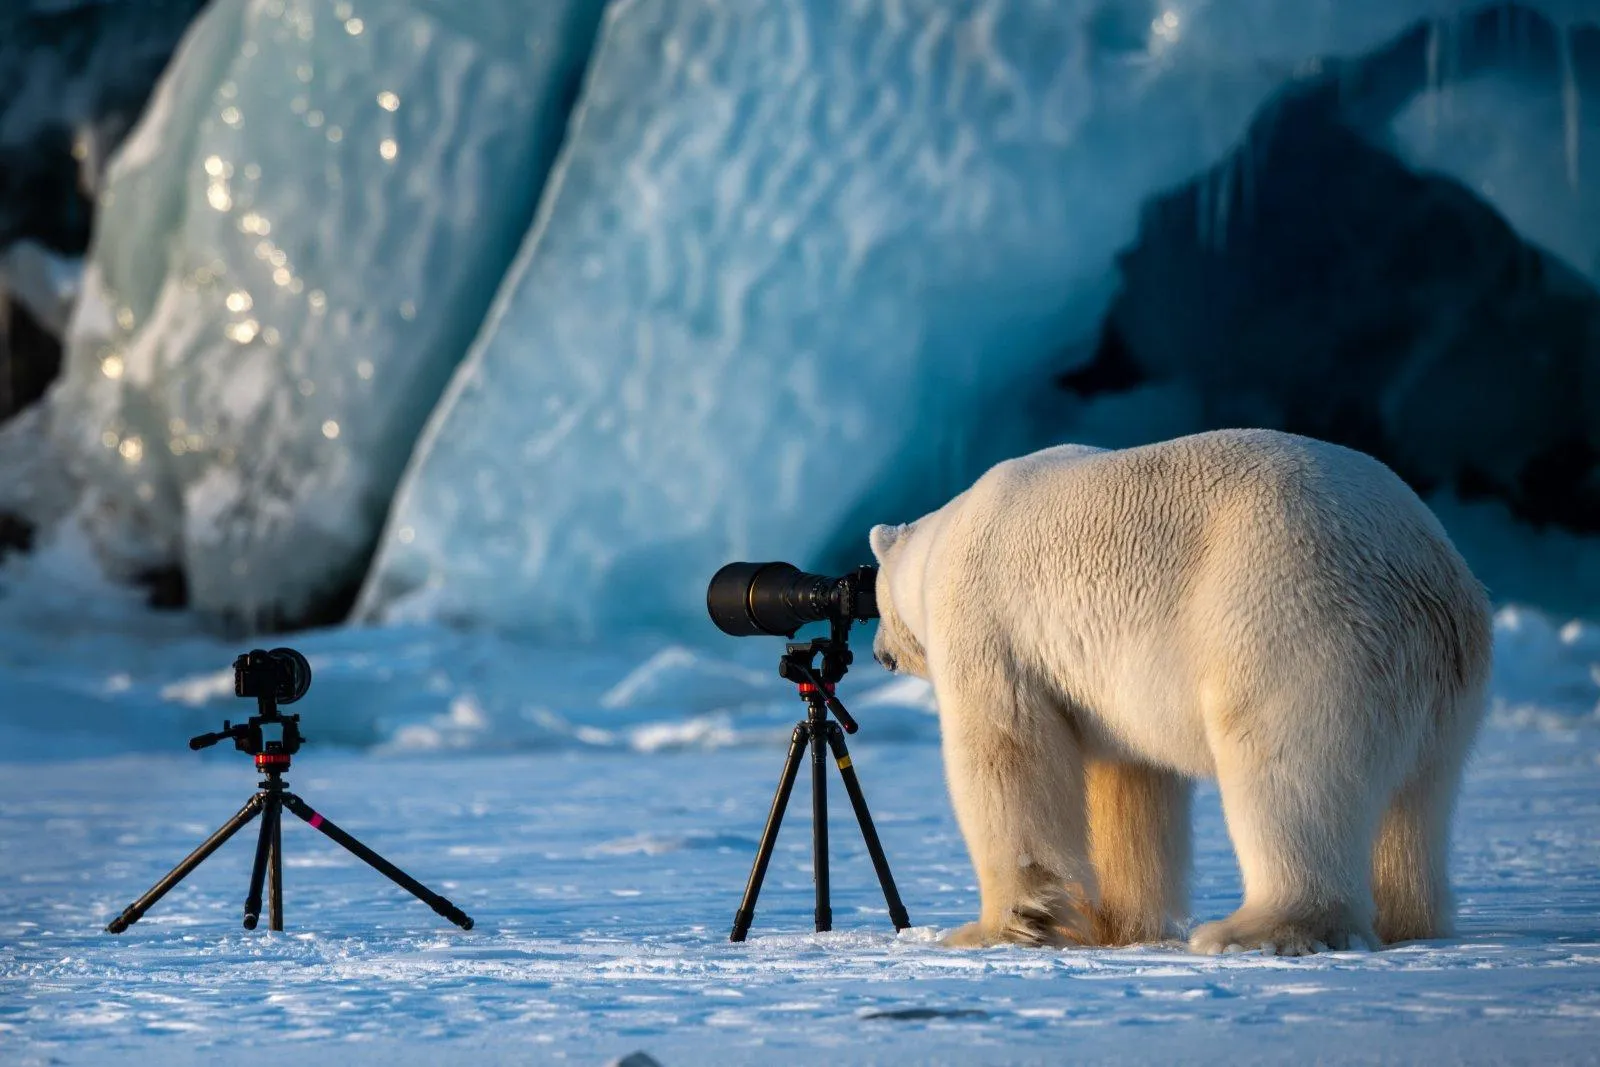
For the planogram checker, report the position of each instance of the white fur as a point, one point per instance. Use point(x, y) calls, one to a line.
point(1278, 613)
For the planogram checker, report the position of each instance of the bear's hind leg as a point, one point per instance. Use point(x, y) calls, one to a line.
point(1139, 840)
point(1303, 832)
point(1411, 860)
point(1016, 783)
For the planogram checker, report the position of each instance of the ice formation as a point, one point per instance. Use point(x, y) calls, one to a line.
point(1314, 282)
point(788, 259)
point(1514, 119)
point(295, 248)
point(74, 75)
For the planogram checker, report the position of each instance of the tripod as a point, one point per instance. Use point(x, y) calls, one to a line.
point(822, 734)
point(272, 738)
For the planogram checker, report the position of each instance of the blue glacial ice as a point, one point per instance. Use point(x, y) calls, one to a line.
point(1506, 117)
point(789, 260)
point(297, 244)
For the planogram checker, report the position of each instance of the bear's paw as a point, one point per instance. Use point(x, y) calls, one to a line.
point(1282, 935)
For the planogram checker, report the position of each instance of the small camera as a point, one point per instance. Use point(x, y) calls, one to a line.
point(281, 673)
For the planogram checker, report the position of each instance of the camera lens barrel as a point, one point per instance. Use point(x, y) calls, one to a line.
point(294, 674)
point(776, 599)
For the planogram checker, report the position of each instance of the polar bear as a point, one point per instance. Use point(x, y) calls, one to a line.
point(1103, 626)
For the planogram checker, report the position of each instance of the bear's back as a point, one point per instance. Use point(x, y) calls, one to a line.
point(1178, 488)
point(1229, 530)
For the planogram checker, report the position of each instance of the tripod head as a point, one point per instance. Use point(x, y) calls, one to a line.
point(798, 665)
point(279, 676)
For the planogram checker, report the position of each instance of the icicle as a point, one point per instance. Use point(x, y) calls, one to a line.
point(1223, 202)
point(1569, 106)
point(1247, 180)
point(1451, 37)
point(1435, 28)
point(1202, 209)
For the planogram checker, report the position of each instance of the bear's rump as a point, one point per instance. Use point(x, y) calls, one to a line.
point(1317, 602)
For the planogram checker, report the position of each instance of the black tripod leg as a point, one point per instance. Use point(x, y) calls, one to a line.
point(769, 835)
point(819, 827)
point(378, 863)
point(258, 870)
point(275, 866)
point(852, 785)
point(136, 910)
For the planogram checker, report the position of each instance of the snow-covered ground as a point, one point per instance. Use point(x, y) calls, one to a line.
point(603, 884)
point(596, 812)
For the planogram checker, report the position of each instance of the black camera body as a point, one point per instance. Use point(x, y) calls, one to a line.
point(281, 674)
point(776, 599)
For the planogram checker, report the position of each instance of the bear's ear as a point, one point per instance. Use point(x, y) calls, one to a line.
point(882, 538)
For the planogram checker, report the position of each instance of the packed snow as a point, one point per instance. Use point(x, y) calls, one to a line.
point(603, 883)
point(596, 809)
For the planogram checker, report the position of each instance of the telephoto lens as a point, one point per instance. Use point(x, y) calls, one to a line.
point(294, 674)
point(776, 599)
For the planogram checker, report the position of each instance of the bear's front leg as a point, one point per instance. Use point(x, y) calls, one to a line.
point(1016, 782)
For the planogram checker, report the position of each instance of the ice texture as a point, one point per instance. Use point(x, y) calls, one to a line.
point(1512, 111)
point(74, 75)
point(296, 246)
point(790, 257)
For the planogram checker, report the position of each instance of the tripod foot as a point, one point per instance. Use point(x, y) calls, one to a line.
point(135, 911)
point(769, 834)
point(453, 913)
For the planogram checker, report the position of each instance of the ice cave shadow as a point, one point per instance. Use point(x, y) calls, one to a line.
point(1312, 282)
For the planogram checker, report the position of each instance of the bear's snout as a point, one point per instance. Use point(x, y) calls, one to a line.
point(885, 660)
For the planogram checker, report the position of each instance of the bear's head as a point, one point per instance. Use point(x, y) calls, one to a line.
point(896, 647)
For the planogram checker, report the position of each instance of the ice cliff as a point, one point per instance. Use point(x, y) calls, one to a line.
point(296, 246)
point(793, 257)
point(74, 75)
point(796, 268)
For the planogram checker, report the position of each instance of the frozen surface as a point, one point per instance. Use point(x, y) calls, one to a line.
point(789, 258)
point(603, 884)
point(595, 810)
point(296, 246)
point(85, 669)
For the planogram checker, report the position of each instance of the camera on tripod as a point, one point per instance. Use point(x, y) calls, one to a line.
point(271, 739)
point(775, 600)
point(282, 674)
